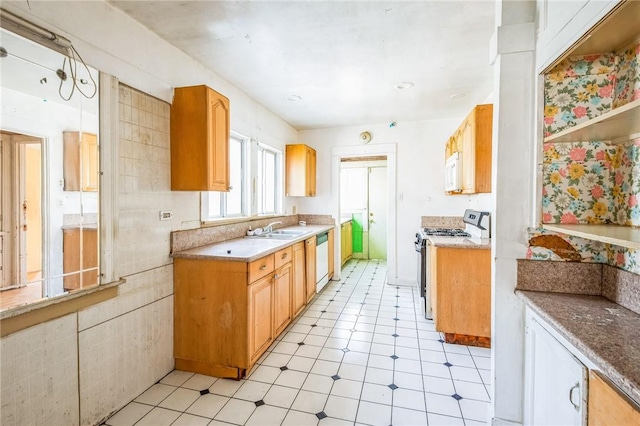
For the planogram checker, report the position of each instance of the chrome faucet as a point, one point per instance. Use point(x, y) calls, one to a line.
point(269, 227)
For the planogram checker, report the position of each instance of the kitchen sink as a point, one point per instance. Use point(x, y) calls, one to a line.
point(281, 234)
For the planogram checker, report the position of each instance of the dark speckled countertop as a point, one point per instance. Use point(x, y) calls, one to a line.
point(605, 332)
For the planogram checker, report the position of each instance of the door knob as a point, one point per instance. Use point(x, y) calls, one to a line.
point(371, 221)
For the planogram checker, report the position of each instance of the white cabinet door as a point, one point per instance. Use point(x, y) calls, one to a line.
point(555, 381)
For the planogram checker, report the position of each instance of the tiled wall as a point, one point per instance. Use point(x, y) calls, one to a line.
point(110, 352)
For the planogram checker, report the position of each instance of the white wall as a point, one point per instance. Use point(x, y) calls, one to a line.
point(420, 178)
point(122, 346)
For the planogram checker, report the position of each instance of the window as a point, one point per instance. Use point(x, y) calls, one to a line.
point(256, 183)
point(269, 180)
point(234, 203)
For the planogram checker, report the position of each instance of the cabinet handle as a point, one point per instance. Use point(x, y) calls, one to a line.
point(284, 255)
point(276, 276)
point(263, 267)
point(571, 391)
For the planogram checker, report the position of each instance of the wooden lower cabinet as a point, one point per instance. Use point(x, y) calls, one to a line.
point(298, 290)
point(282, 283)
point(310, 263)
point(261, 310)
point(461, 293)
point(226, 313)
point(607, 405)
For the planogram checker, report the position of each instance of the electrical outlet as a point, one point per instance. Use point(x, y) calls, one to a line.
point(166, 214)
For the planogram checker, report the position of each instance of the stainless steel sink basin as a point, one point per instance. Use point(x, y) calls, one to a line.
point(281, 234)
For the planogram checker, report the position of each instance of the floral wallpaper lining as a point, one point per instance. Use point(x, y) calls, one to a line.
point(590, 182)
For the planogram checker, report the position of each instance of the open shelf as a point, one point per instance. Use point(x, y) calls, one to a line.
point(618, 125)
point(623, 236)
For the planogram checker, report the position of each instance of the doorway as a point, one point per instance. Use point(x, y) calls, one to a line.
point(21, 223)
point(363, 200)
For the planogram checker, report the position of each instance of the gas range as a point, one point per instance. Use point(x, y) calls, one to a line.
point(445, 232)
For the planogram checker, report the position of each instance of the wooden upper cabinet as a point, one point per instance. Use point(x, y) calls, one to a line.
point(81, 166)
point(199, 140)
point(473, 141)
point(300, 171)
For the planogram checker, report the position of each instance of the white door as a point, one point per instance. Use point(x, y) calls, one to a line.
point(6, 218)
point(377, 213)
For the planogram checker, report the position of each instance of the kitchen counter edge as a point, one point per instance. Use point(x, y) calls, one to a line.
point(592, 335)
point(270, 245)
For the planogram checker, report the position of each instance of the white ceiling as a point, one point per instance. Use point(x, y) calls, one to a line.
point(343, 58)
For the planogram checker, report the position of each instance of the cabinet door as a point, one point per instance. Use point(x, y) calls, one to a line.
point(281, 298)
point(299, 298)
point(468, 157)
point(76, 245)
point(349, 241)
point(81, 167)
point(199, 140)
point(310, 262)
point(555, 381)
point(260, 317)
point(608, 405)
point(343, 243)
point(311, 172)
point(218, 135)
point(331, 254)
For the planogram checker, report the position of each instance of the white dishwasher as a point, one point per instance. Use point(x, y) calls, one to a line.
point(322, 260)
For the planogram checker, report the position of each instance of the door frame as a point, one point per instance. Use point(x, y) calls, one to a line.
point(389, 150)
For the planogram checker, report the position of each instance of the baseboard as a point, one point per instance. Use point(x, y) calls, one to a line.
point(405, 283)
point(502, 422)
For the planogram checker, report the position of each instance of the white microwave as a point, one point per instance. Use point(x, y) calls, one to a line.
point(453, 173)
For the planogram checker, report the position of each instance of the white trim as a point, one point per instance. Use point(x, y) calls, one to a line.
point(108, 149)
point(390, 150)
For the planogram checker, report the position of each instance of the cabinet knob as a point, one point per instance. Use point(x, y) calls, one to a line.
point(284, 255)
point(276, 276)
point(263, 267)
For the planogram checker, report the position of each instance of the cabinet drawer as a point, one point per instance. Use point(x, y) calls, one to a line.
point(283, 256)
point(260, 268)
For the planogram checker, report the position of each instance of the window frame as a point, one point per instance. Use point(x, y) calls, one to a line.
point(278, 181)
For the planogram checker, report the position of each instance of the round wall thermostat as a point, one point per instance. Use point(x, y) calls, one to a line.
point(365, 137)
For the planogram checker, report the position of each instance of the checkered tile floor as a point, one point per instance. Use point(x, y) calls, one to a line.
point(361, 353)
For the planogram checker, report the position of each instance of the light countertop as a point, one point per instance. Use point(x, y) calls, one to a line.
point(460, 242)
point(248, 249)
point(602, 330)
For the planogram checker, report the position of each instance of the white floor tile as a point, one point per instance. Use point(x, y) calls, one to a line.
point(438, 357)
point(442, 404)
point(475, 410)
point(191, 420)
point(287, 348)
point(379, 361)
point(436, 370)
point(327, 368)
point(180, 400)
point(406, 398)
point(298, 418)
point(208, 405)
point(225, 387)
point(276, 360)
point(440, 420)
point(341, 408)
point(199, 382)
point(252, 391)
point(267, 416)
point(266, 374)
point(465, 374)
point(456, 349)
point(129, 415)
point(236, 412)
point(408, 353)
point(347, 388)
point(315, 340)
point(155, 394)
point(280, 396)
point(159, 417)
point(381, 349)
point(487, 379)
point(291, 378)
point(299, 363)
point(469, 390)
point(380, 394)
point(330, 421)
point(438, 385)
point(293, 337)
point(176, 378)
point(309, 402)
point(337, 342)
point(407, 365)
point(482, 363)
point(405, 417)
point(408, 381)
point(352, 371)
point(482, 352)
point(378, 376)
point(374, 414)
point(461, 360)
point(317, 383)
point(359, 346)
point(331, 354)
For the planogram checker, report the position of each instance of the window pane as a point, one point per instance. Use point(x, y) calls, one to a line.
point(234, 196)
point(269, 182)
point(214, 204)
